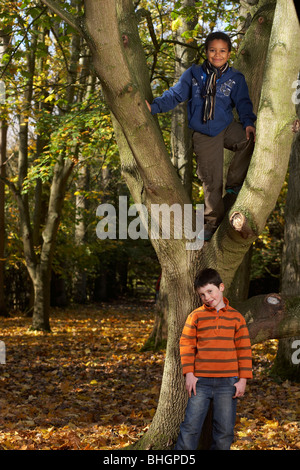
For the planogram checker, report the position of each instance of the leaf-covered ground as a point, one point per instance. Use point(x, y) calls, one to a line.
point(87, 385)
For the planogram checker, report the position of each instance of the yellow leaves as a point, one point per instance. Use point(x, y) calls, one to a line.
point(85, 386)
point(267, 415)
point(176, 24)
point(50, 98)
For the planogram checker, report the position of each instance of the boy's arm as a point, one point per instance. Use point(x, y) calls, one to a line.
point(188, 345)
point(188, 348)
point(173, 96)
point(243, 350)
point(243, 104)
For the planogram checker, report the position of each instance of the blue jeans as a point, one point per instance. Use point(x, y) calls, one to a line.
point(220, 391)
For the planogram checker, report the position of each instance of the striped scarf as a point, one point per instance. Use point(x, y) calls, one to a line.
point(213, 74)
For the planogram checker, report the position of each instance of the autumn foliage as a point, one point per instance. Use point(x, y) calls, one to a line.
point(87, 385)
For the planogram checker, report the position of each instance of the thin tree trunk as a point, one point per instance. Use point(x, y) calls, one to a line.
point(39, 267)
point(181, 135)
point(80, 278)
point(41, 273)
point(4, 41)
point(284, 365)
point(3, 134)
point(82, 185)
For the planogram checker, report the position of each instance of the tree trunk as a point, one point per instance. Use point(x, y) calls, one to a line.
point(79, 280)
point(173, 397)
point(154, 180)
point(181, 135)
point(82, 185)
point(284, 365)
point(40, 273)
point(3, 134)
point(4, 41)
point(41, 285)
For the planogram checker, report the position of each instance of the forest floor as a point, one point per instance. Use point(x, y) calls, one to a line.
point(86, 385)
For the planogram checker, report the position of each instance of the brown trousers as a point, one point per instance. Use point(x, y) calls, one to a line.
point(210, 156)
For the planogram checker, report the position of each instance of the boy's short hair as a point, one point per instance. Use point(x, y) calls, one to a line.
point(207, 276)
point(217, 35)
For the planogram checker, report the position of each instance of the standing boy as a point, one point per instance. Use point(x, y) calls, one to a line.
point(216, 359)
point(213, 90)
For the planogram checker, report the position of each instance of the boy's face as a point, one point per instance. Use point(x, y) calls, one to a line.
point(211, 295)
point(217, 53)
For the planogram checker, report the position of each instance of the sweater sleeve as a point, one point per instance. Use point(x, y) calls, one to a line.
point(243, 349)
point(188, 345)
point(243, 103)
point(173, 96)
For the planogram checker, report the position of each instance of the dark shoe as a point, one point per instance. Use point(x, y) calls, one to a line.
point(234, 190)
point(230, 197)
point(209, 230)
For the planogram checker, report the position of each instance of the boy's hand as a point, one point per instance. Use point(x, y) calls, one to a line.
point(148, 105)
point(190, 383)
point(250, 130)
point(240, 387)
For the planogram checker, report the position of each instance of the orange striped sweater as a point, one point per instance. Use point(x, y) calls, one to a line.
point(216, 344)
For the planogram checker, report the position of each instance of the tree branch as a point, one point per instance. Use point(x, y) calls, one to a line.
point(271, 316)
point(65, 15)
point(240, 223)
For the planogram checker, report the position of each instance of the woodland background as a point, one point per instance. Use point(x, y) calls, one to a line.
point(102, 293)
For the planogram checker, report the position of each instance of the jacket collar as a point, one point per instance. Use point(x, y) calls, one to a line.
point(226, 302)
point(199, 74)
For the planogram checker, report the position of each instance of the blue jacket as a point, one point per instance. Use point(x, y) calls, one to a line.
point(232, 91)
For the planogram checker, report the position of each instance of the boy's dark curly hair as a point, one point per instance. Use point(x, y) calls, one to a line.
point(217, 35)
point(207, 276)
